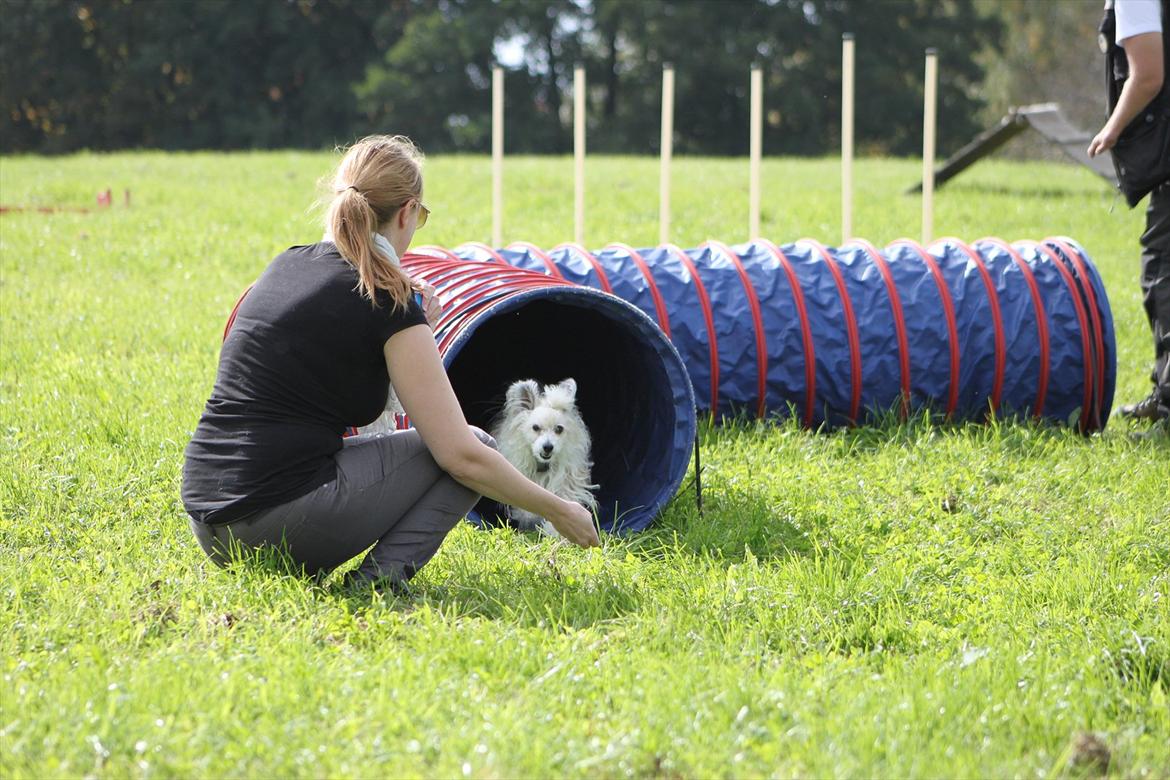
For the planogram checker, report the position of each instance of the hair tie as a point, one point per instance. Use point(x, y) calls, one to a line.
point(355, 189)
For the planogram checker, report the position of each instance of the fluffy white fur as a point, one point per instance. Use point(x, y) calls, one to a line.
point(541, 433)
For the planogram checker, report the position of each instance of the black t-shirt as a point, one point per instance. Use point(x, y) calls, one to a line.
point(302, 361)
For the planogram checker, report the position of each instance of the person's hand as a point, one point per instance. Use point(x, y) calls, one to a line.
point(1103, 142)
point(431, 306)
point(575, 523)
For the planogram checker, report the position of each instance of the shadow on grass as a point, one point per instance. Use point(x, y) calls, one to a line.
point(531, 589)
point(733, 522)
point(530, 596)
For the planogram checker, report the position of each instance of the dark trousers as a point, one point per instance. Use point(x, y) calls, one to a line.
point(389, 493)
point(1156, 287)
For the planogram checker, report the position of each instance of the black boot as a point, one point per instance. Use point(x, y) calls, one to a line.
point(1146, 409)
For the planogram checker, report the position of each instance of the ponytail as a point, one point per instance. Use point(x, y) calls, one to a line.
point(376, 178)
point(352, 222)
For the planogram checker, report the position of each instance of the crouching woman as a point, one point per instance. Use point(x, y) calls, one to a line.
point(315, 347)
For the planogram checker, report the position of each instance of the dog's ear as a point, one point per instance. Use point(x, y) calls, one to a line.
point(522, 395)
point(570, 387)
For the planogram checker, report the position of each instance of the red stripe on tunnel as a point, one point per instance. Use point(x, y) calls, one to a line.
point(1083, 322)
point(659, 304)
point(548, 261)
point(1041, 319)
point(601, 277)
point(899, 319)
point(430, 250)
point(949, 314)
point(850, 327)
point(235, 310)
point(708, 319)
point(1098, 329)
point(757, 322)
point(996, 317)
point(810, 358)
point(482, 247)
point(489, 280)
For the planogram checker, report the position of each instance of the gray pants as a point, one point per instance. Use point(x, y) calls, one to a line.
point(1156, 288)
point(389, 492)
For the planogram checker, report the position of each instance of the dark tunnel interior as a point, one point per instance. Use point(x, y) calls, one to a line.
point(623, 390)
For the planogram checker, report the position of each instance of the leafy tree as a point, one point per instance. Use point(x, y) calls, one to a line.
point(50, 80)
point(213, 74)
point(433, 83)
point(201, 74)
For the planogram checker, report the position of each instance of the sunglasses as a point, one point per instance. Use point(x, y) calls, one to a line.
point(423, 213)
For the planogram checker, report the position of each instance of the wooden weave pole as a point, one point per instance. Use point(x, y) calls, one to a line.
point(846, 137)
point(667, 147)
point(497, 157)
point(755, 150)
point(930, 107)
point(579, 154)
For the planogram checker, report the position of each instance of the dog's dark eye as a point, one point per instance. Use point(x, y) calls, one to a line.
point(559, 429)
point(536, 428)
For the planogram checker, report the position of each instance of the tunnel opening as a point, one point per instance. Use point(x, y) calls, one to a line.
point(632, 388)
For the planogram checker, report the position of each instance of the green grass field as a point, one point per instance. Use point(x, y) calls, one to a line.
point(911, 601)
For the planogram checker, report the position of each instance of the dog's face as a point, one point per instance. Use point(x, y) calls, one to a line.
point(547, 421)
point(546, 428)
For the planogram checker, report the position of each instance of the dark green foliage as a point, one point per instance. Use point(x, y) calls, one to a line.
point(204, 74)
point(306, 73)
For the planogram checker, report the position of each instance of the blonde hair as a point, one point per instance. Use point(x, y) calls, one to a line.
point(377, 176)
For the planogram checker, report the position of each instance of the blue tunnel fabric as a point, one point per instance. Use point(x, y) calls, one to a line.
point(1096, 301)
point(1050, 352)
point(633, 390)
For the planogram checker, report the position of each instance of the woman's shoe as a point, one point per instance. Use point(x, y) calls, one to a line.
point(1146, 409)
point(358, 581)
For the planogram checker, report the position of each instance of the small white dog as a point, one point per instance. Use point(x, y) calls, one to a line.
point(541, 433)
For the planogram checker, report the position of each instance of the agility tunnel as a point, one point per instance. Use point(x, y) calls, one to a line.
point(840, 336)
point(504, 324)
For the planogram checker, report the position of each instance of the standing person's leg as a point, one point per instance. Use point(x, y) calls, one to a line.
point(381, 479)
point(1156, 290)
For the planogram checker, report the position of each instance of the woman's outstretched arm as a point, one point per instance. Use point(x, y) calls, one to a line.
point(417, 373)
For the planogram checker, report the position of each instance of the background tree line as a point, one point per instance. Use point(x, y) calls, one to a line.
point(214, 74)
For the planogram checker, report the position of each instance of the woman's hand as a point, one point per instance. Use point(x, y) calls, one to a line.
point(431, 306)
point(575, 523)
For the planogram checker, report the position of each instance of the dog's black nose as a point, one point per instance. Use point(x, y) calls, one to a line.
point(547, 448)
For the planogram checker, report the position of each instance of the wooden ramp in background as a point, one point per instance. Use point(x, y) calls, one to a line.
point(1046, 119)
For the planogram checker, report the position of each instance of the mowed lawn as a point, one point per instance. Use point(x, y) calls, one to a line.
point(909, 601)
